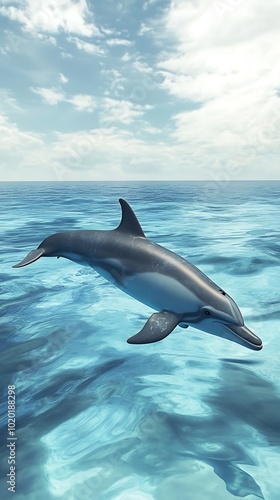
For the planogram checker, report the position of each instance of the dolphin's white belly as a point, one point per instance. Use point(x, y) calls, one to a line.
point(156, 290)
point(161, 292)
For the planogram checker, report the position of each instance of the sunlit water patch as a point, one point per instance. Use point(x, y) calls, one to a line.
point(191, 417)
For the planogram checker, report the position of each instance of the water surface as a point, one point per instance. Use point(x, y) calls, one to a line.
point(190, 417)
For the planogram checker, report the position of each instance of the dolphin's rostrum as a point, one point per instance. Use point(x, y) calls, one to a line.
point(155, 276)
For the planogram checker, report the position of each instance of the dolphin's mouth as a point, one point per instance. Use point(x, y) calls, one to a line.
point(246, 336)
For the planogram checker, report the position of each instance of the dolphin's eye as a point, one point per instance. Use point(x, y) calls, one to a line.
point(222, 292)
point(207, 312)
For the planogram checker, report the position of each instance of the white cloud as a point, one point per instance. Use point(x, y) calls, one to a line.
point(144, 28)
point(114, 80)
point(23, 153)
point(82, 102)
point(53, 96)
point(66, 55)
point(90, 48)
point(108, 153)
point(7, 100)
point(226, 64)
point(98, 154)
point(141, 67)
point(109, 31)
point(111, 110)
point(49, 95)
point(118, 41)
point(63, 78)
point(16, 145)
point(148, 3)
point(51, 16)
point(11, 136)
point(13, 42)
point(104, 153)
point(112, 74)
point(127, 57)
point(122, 111)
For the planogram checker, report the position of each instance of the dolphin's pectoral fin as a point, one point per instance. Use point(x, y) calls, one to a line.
point(158, 326)
point(31, 257)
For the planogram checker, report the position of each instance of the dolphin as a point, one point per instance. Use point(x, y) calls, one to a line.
point(179, 292)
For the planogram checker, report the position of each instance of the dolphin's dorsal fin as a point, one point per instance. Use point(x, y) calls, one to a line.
point(129, 223)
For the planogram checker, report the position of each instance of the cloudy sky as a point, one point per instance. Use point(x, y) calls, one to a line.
point(131, 89)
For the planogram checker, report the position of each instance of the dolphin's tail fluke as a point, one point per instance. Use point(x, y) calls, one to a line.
point(31, 257)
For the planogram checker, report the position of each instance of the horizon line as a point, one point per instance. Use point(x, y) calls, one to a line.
point(216, 181)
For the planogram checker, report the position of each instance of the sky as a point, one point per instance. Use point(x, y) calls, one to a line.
point(139, 90)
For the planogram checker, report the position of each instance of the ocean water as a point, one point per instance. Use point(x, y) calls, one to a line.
point(192, 417)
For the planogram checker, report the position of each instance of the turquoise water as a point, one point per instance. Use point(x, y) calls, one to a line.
point(192, 417)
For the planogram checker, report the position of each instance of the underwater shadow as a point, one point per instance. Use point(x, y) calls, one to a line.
point(244, 408)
